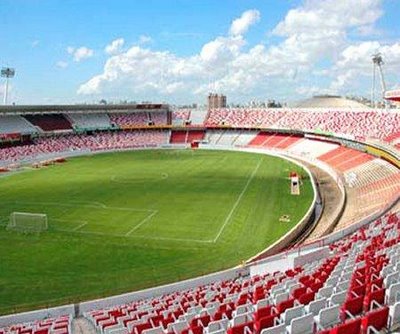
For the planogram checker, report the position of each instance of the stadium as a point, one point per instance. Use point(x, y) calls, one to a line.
point(84, 166)
point(158, 218)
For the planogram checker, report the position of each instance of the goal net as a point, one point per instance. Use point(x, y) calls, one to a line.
point(27, 222)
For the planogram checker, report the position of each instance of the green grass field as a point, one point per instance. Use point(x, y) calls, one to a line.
point(126, 221)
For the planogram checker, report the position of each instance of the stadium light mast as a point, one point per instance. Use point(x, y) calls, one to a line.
point(7, 72)
point(377, 62)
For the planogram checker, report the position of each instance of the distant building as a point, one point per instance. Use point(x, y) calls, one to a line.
point(216, 101)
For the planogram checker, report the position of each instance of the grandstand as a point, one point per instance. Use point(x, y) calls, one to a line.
point(55, 122)
point(90, 121)
point(339, 277)
point(11, 124)
point(359, 124)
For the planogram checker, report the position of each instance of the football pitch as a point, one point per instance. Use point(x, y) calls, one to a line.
point(121, 222)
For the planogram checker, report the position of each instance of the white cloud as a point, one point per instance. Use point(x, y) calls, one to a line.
point(115, 46)
point(142, 70)
point(355, 62)
point(222, 49)
point(320, 28)
point(62, 64)
point(145, 39)
point(314, 54)
point(80, 53)
point(35, 43)
point(240, 25)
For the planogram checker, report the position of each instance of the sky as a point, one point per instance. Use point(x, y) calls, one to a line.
point(177, 51)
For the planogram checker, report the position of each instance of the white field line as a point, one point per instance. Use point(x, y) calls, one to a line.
point(80, 226)
point(141, 223)
point(83, 222)
point(153, 212)
point(102, 205)
point(76, 229)
point(69, 220)
point(135, 236)
point(96, 205)
point(229, 216)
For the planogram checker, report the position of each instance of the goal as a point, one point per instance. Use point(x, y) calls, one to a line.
point(27, 222)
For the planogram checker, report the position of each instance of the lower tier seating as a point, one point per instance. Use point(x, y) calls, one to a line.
point(60, 325)
point(355, 289)
point(186, 137)
point(97, 141)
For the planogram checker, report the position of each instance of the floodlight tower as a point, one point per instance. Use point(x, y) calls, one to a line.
point(7, 72)
point(377, 62)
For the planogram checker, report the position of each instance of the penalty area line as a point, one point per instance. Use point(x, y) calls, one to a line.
point(141, 223)
point(134, 236)
point(80, 226)
point(95, 205)
point(83, 223)
point(229, 216)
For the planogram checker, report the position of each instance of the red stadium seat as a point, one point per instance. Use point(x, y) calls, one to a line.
point(377, 319)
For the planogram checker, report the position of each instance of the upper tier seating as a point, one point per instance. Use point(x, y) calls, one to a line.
point(367, 123)
point(54, 122)
point(15, 124)
point(180, 116)
point(158, 118)
point(198, 116)
point(131, 119)
point(393, 137)
point(355, 289)
point(90, 121)
point(138, 119)
point(243, 117)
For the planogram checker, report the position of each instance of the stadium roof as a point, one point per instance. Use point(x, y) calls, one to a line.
point(329, 101)
point(149, 107)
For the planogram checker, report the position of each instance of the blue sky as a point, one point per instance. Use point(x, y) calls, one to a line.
point(177, 51)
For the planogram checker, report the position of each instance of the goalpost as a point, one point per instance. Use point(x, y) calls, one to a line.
point(27, 222)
